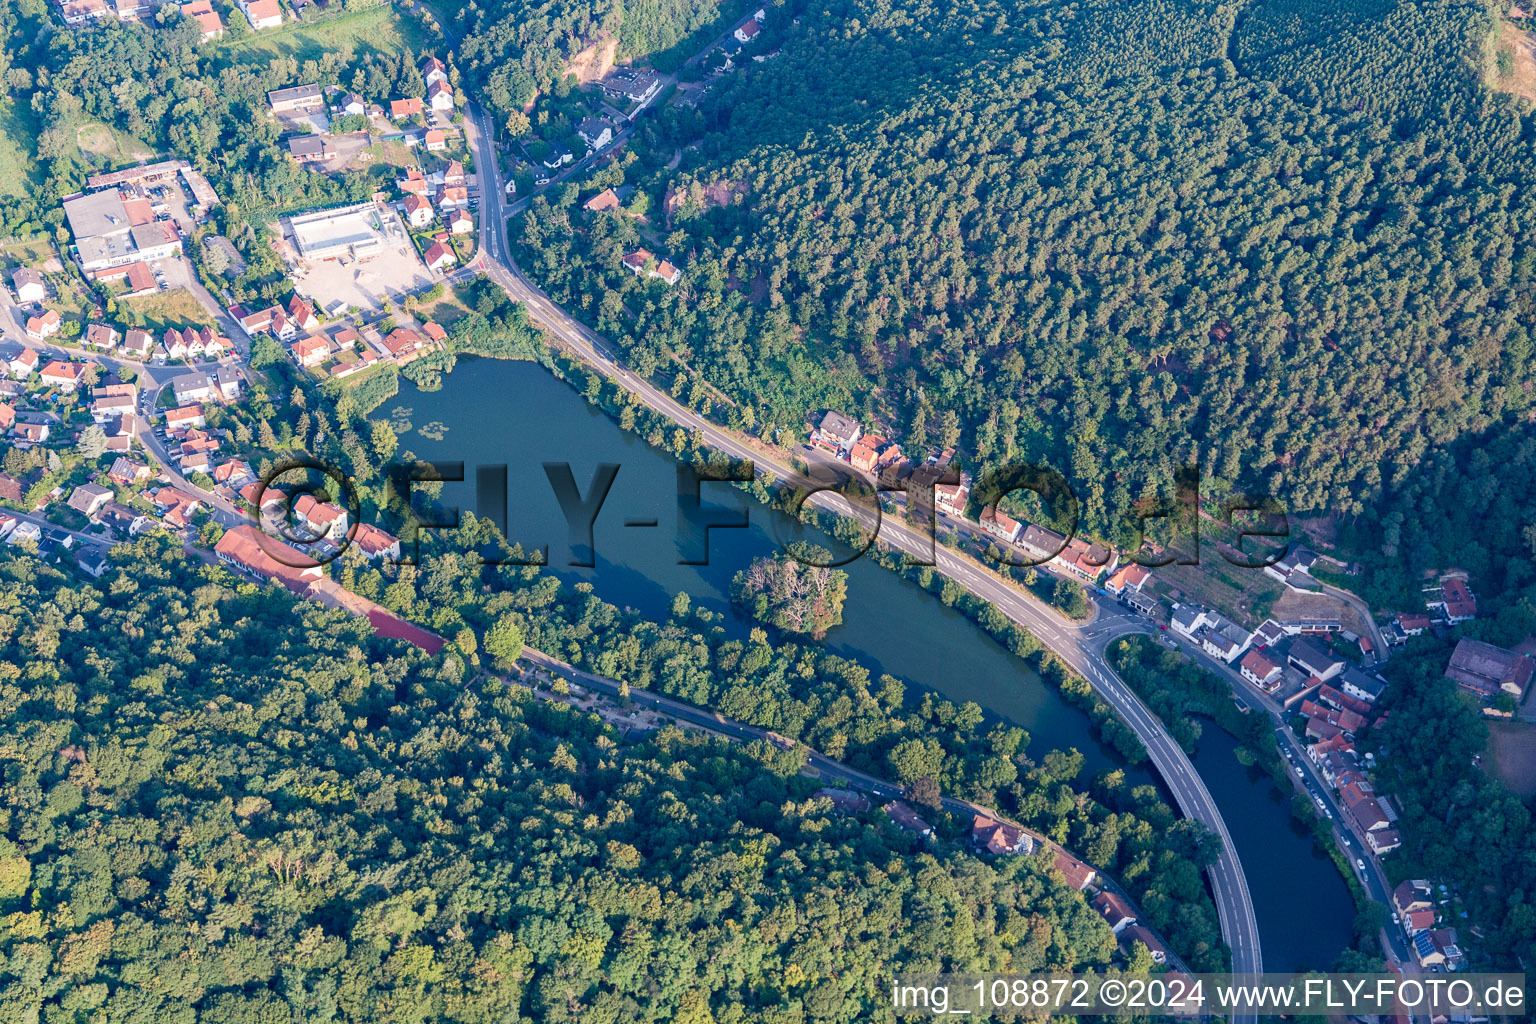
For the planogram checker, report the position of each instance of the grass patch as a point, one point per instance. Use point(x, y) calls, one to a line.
point(27, 252)
point(165, 309)
point(444, 311)
point(101, 145)
point(373, 31)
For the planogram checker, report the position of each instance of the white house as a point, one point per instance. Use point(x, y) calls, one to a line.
point(29, 285)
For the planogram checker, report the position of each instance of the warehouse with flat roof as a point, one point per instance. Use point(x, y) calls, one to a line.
point(346, 230)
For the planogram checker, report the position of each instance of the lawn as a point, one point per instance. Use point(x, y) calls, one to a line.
point(373, 31)
point(444, 311)
point(165, 309)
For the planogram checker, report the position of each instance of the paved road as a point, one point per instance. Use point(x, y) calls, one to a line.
point(1308, 780)
point(1081, 647)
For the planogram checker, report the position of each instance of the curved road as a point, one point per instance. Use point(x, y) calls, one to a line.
point(1080, 646)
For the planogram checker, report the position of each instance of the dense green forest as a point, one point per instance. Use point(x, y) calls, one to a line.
point(224, 805)
point(1112, 236)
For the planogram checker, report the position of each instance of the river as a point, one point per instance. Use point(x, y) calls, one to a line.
point(516, 414)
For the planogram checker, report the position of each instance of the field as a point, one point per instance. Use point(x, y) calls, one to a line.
point(166, 309)
point(444, 311)
point(33, 252)
point(1512, 755)
point(371, 31)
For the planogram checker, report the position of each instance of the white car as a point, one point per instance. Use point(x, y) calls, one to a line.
point(1360, 864)
point(1320, 805)
point(1299, 773)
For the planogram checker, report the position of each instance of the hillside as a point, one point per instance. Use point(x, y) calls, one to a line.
point(1112, 237)
point(223, 807)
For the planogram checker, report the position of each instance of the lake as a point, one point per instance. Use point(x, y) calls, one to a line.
point(518, 415)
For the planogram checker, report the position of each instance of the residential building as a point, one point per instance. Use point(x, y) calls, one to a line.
point(24, 364)
point(176, 507)
point(128, 473)
point(607, 199)
point(837, 433)
point(1384, 840)
point(993, 836)
point(748, 32)
point(636, 85)
point(301, 99)
point(1294, 569)
point(101, 336)
point(414, 183)
point(1077, 874)
point(28, 285)
point(44, 325)
point(1224, 639)
point(202, 12)
point(25, 435)
point(438, 256)
point(1136, 933)
point(1115, 910)
point(113, 402)
point(184, 418)
point(138, 344)
point(1487, 671)
point(452, 197)
point(11, 489)
point(453, 174)
point(999, 524)
point(440, 97)
point(436, 140)
point(1260, 670)
point(900, 812)
point(1129, 576)
point(643, 264)
point(1042, 544)
point(323, 518)
point(409, 107)
point(262, 13)
point(24, 532)
point(7, 417)
point(64, 375)
point(1188, 620)
point(375, 544)
point(1360, 685)
point(595, 132)
point(951, 498)
point(558, 156)
point(1085, 560)
point(460, 223)
point(1455, 602)
point(418, 211)
point(88, 498)
point(433, 71)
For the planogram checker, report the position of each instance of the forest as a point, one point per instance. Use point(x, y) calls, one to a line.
point(1114, 237)
point(224, 805)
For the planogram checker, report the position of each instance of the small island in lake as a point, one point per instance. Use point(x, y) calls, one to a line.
point(793, 593)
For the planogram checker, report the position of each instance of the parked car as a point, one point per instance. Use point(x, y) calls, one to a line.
point(1360, 864)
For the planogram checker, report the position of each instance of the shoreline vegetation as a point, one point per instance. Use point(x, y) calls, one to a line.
point(1119, 822)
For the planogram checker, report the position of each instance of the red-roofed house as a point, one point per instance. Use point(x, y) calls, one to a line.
point(405, 108)
point(63, 375)
point(44, 326)
point(993, 836)
point(263, 13)
point(24, 364)
point(1116, 912)
point(375, 543)
point(1260, 671)
point(184, 417)
point(999, 524)
point(311, 351)
point(323, 518)
point(1077, 874)
point(1129, 576)
point(418, 211)
point(1456, 602)
point(439, 256)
